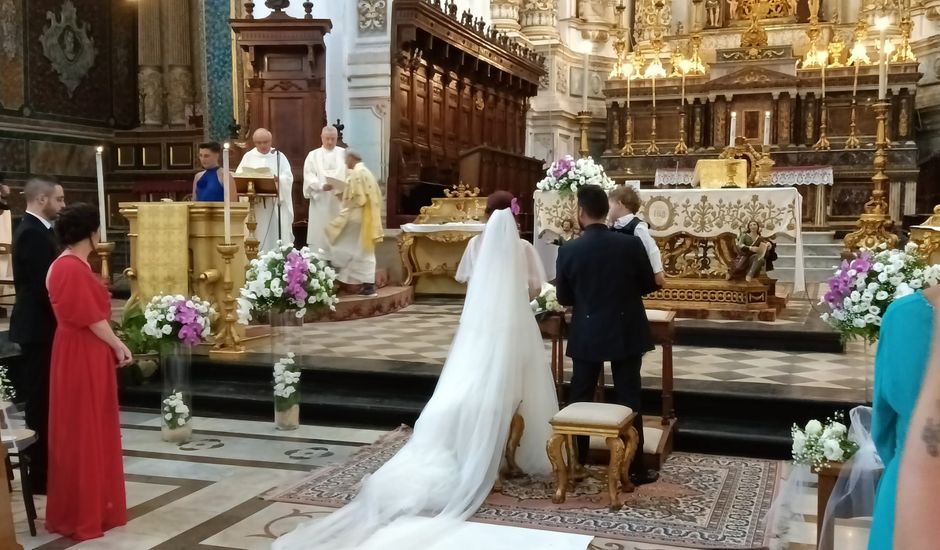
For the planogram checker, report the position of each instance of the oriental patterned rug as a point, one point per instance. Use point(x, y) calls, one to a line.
point(700, 501)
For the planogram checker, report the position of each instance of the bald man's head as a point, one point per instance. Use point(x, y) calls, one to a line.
point(328, 137)
point(262, 139)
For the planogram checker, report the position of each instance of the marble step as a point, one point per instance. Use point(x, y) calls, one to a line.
point(809, 262)
point(817, 275)
point(788, 249)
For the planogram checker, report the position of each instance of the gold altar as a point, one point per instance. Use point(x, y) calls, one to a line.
point(173, 249)
point(431, 247)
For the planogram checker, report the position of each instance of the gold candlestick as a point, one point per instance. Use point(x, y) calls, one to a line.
point(227, 340)
point(681, 147)
point(823, 143)
point(732, 172)
point(104, 251)
point(853, 142)
point(653, 149)
point(872, 224)
point(628, 143)
point(584, 120)
point(251, 223)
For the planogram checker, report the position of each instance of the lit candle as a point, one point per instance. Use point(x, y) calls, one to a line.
point(227, 197)
point(584, 94)
point(102, 213)
point(766, 127)
point(882, 24)
point(734, 128)
point(823, 74)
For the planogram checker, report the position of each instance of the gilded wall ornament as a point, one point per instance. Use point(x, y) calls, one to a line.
point(9, 29)
point(373, 16)
point(68, 47)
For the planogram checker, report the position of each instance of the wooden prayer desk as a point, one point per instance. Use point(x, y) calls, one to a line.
point(828, 475)
point(663, 328)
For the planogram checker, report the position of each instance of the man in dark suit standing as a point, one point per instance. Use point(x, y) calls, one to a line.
point(604, 276)
point(32, 324)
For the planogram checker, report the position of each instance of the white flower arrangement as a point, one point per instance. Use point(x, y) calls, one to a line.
point(175, 411)
point(546, 301)
point(567, 175)
point(818, 444)
point(286, 383)
point(7, 393)
point(178, 319)
point(861, 290)
point(287, 279)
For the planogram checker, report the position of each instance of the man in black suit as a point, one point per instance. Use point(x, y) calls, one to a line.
point(604, 276)
point(32, 324)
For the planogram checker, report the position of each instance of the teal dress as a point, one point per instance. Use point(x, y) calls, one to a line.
point(900, 364)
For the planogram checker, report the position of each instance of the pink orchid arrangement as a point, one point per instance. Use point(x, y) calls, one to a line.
point(287, 279)
point(178, 319)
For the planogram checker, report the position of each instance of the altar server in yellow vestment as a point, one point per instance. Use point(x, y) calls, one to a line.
point(323, 163)
point(270, 212)
point(355, 232)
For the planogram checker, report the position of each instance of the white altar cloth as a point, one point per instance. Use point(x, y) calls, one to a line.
point(784, 176)
point(442, 227)
point(698, 212)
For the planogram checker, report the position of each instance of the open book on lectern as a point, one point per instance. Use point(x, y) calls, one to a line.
point(264, 181)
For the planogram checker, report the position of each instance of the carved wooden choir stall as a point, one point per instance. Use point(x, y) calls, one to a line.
point(458, 110)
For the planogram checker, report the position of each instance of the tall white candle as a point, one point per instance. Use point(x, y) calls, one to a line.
point(882, 23)
point(734, 128)
point(102, 212)
point(584, 92)
point(227, 209)
point(823, 76)
point(766, 127)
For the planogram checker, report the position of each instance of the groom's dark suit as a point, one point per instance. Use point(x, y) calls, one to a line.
point(604, 276)
point(32, 326)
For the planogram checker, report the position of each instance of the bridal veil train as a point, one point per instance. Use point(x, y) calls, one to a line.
point(496, 366)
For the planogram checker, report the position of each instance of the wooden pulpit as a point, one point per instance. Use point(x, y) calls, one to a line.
point(173, 249)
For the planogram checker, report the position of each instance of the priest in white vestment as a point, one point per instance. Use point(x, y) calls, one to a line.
point(356, 231)
point(329, 161)
point(268, 210)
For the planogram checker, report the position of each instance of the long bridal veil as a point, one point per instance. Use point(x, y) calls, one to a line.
point(496, 366)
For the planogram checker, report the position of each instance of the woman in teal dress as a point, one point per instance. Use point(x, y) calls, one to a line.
point(903, 351)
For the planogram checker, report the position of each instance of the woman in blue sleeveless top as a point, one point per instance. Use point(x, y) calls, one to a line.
point(903, 352)
point(207, 185)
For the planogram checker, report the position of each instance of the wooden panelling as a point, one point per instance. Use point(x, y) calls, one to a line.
point(451, 94)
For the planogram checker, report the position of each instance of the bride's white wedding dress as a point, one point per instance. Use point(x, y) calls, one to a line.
point(496, 366)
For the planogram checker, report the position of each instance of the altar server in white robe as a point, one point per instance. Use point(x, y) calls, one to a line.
point(328, 161)
point(266, 211)
point(356, 231)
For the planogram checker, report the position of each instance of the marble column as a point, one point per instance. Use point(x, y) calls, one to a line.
point(150, 63)
point(177, 53)
point(505, 16)
point(539, 19)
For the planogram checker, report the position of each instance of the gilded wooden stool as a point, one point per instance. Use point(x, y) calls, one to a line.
point(612, 422)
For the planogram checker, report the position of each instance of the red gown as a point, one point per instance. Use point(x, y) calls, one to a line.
point(86, 470)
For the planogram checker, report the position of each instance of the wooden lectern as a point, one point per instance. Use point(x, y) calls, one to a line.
point(254, 184)
point(173, 250)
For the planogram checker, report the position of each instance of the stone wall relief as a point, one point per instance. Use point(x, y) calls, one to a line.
point(10, 42)
point(68, 47)
point(373, 16)
point(150, 92)
point(179, 94)
point(561, 77)
point(645, 19)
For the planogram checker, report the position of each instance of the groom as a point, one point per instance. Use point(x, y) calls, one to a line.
point(604, 276)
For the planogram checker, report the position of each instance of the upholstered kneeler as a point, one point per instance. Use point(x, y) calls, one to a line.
point(612, 422)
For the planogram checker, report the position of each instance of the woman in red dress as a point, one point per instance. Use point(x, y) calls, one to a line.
point(86, 470)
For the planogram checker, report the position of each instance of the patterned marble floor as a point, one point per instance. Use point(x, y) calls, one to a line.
point(204, 495)
point(423, 332)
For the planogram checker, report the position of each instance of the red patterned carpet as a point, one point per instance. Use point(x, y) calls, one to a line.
point(701, 501)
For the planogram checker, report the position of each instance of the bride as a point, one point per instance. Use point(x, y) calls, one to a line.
point(496, 368)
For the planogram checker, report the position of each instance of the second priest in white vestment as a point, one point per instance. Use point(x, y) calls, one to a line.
point(328, 161)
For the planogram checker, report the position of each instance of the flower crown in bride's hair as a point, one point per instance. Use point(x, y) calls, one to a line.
point(514, 206)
